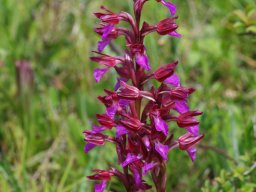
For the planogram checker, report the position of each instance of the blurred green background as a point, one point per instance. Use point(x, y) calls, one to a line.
point(41, 122)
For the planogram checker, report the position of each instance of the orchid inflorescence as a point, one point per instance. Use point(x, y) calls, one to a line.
point(139, 111)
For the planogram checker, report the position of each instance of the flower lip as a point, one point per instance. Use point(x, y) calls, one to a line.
point(108, 32)
point(169, 5)
point(100, 187)
point(121, 130)
point(175, 34)
point(99, 73)
point(148, 166)
point(173, 80)
point(130, 158)
point(181, 106)
point(162, 150)
point(192, 153)
point(101, 30)
point(88, 147)
point(138, 50)
point(142, 60)
point(159, 123)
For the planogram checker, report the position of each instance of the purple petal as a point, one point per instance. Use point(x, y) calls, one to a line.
point(170, 6)
point(89, 147)
point(103, 43)
point(117, 85)
point(98, 73)
point(142, 60)
point(124, 102)
point(111, 111)
point(162, 150)
point(175, 34)
point(192, 153)
point(120, 130)
point(130, 159)
point(98, 129)
point(100, 187)
point(107, 30)
point(147, 167)
point(173, 80)
point(181, 106)
point(194, 130)
point(137, 177)
point(161, 125)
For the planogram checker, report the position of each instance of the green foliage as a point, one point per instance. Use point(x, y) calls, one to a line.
point(241, 178)
point(245, 20)
point(41, 140)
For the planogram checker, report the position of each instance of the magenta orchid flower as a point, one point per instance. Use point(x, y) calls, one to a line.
point(137, 112)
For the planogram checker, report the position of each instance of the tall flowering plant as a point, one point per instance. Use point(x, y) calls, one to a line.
point(138, 111)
